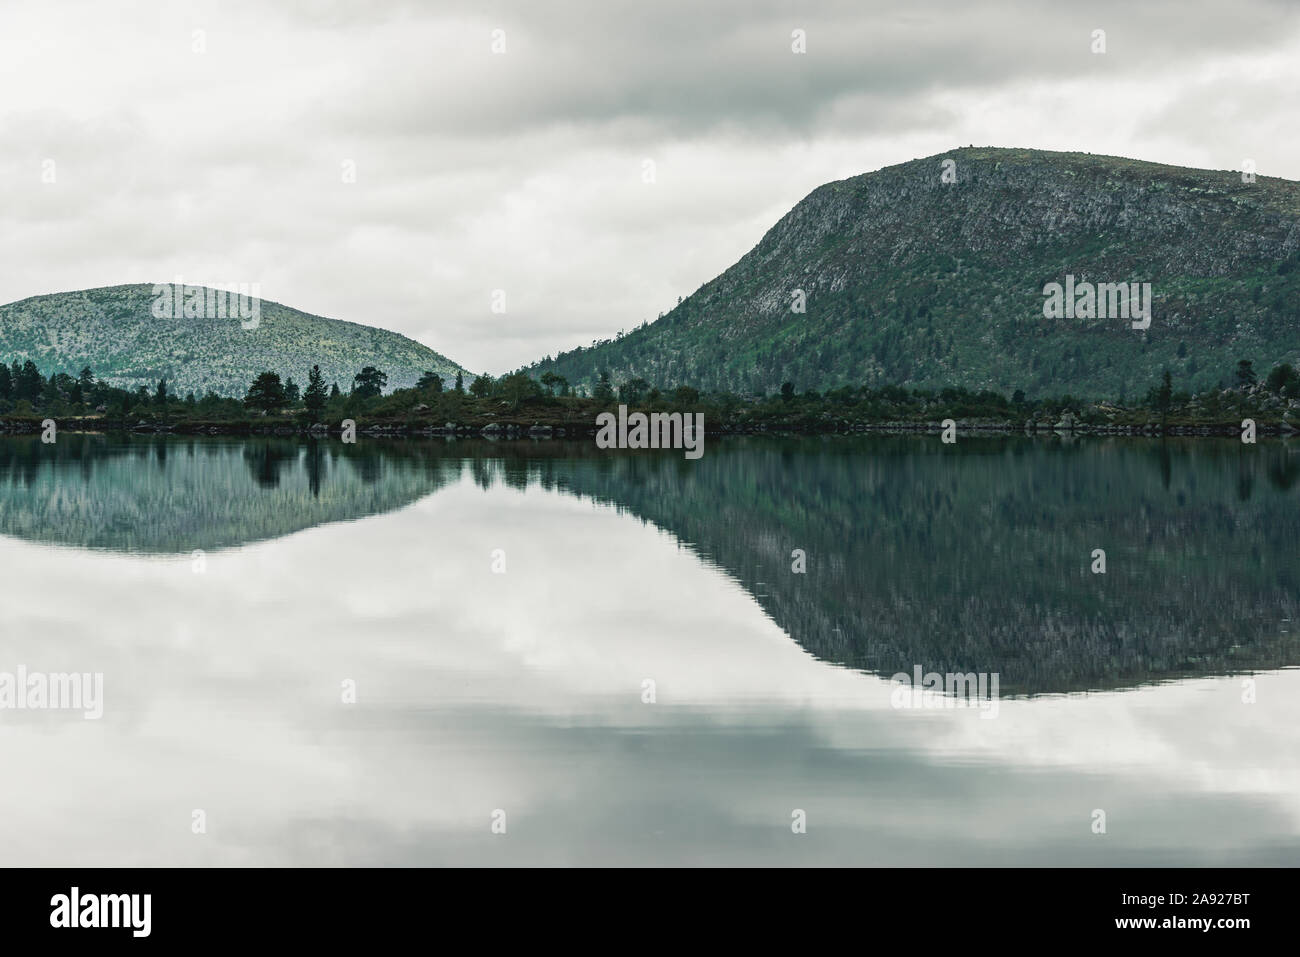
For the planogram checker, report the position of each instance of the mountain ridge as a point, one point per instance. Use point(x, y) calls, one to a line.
point(114, 331)
point(910, 280)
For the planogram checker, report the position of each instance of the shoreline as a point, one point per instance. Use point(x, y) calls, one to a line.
point(517, 429)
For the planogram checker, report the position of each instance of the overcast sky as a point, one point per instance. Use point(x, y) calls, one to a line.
point(210, 139)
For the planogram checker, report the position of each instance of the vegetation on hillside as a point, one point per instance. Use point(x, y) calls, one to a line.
point(910, 281)
point(114, 331)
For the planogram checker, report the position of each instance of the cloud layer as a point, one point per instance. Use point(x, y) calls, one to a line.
point(215, 141)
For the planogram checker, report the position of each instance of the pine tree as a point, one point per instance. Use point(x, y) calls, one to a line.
point(314, 398)
point(1165, 395)
point(369, 383)
point(266, 393)
point(28, 381)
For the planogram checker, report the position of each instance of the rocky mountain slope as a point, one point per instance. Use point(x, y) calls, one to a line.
point(914, 281)
point(116, 332)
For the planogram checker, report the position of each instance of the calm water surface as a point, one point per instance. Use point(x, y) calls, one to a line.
point(228, 589)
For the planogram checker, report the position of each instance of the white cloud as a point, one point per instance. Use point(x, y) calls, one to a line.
point(523, 171)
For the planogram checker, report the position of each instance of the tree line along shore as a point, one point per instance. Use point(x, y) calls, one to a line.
point(518, 404)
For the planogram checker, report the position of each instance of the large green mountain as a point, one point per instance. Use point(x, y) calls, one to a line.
point(914, 281)
point(116, 332)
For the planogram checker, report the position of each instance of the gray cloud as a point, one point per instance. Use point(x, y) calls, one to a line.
point(524, 171)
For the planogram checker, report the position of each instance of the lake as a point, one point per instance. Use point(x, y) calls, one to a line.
point(473, 652)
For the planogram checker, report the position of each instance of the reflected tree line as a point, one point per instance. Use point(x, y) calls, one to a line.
point(976, 557)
